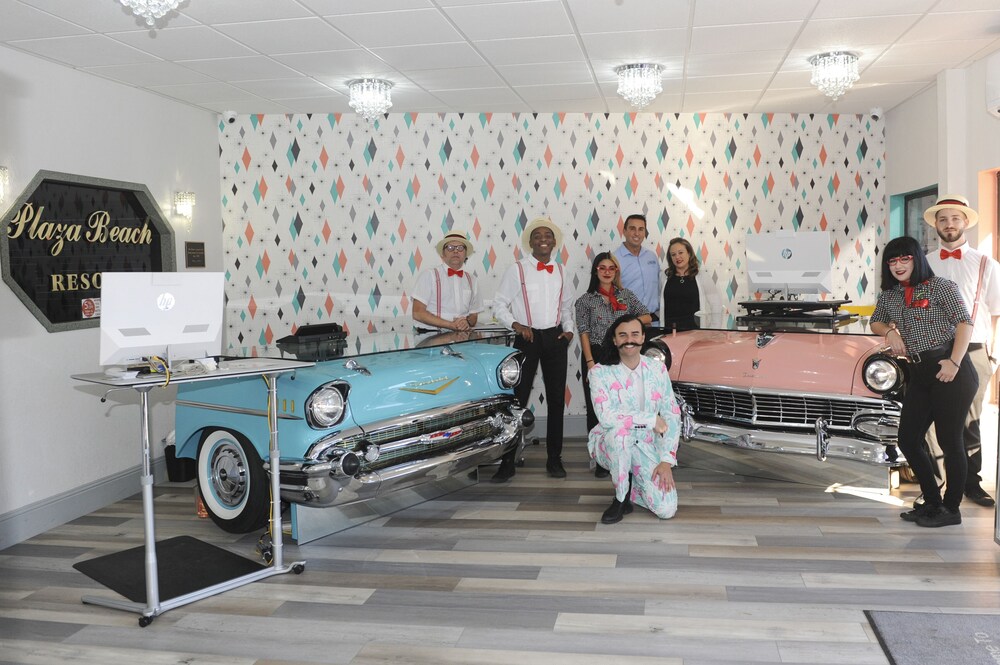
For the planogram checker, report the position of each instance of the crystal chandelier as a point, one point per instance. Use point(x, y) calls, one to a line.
point(151, 9)
point(639, 83)
point(834, 73)
point(370, 97)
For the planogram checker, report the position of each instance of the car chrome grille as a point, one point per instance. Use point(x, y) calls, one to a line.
point(412, 438)
point(778, 410)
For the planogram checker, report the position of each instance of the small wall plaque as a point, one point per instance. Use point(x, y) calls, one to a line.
point(194, 255)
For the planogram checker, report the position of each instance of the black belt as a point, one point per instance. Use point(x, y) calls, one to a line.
point(936, 353)
point(975, 346)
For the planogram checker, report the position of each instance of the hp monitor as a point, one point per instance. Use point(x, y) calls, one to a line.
point(792, 262)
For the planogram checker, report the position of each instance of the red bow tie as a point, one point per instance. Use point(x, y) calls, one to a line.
point(945, 254)
point(456, 273)
point(547, 268)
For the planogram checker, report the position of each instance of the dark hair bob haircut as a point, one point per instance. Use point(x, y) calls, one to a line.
point(905, 246)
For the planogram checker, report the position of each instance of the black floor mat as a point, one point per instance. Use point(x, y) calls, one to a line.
point(185, 564)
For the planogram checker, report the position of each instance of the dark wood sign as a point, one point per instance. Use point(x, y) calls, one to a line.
point(194, 255)
point(64, 230)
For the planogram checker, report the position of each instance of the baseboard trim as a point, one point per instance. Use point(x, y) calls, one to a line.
point(31, 520)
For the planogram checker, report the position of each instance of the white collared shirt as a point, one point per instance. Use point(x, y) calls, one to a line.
point(965, 273)
point(549, 298)
point(459, 296)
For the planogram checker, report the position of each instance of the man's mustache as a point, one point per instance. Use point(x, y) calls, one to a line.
point(628, 345)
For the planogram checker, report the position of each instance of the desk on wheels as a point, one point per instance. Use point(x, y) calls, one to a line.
point(269, 369)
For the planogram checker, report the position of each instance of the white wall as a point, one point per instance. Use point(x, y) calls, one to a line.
point(911, 144)
point(55, 435)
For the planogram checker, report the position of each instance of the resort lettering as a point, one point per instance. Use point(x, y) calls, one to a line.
point(98, 229)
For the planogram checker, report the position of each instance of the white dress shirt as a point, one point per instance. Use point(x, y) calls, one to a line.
point(549, 297)
point(459, 296)
point(965, 273)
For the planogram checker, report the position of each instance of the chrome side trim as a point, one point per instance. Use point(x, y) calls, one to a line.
point(234, 409)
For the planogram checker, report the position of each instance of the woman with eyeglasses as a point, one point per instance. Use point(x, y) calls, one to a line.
point(923, 318)
point(605, 300)
point(686, 291)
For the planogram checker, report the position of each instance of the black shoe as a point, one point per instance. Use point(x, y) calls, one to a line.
point(939, 516)
point(919, 501)
point(503, 474)
point(555, 468)
point(979, 495)
point(912, 515)
point(601, 472)
point(616, 511)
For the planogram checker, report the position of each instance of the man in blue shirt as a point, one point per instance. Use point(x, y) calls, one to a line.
point(640, 267)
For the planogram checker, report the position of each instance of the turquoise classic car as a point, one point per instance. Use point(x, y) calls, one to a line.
point(374, 415)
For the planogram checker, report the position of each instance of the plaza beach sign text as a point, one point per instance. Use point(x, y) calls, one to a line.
point(64, 230)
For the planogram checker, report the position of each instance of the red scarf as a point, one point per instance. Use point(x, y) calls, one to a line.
point(610, 294)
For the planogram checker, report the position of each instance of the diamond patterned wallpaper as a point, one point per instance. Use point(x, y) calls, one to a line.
point(328, 218)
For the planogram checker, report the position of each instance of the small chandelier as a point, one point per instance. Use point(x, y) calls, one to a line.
point(370, 97)
point(151, 9)
point(639, 83)
point(834, 73)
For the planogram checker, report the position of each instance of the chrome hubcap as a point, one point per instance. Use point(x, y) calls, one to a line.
point(229, 474)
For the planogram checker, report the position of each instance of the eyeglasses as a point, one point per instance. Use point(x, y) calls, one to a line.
point(454, 248)
point(900, 259)
point(608, 268)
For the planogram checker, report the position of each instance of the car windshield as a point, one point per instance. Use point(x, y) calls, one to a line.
point(353, 344)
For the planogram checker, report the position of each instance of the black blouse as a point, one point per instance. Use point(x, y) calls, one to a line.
point(680, 302)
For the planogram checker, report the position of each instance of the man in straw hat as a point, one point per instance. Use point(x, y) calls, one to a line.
point(535, 301)
point(447, 296)
point(978, 278)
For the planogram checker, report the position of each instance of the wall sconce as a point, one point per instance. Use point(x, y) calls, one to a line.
point(184, 204)
point(4, 183)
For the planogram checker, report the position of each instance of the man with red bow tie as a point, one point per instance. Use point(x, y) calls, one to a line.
point(536, 302)
point(978, 278)
point(447, 297)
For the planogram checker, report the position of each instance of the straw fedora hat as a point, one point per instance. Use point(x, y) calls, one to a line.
point(455, 237)
point(541, 222)
point(951, 201)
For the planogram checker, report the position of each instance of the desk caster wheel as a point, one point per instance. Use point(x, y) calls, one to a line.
point(145, 621)
point(267, 555)
point(536, 441)
point(298, 568)
point(519, 463)
point(265, 549)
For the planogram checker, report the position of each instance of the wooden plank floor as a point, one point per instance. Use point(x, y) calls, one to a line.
point(750, 571)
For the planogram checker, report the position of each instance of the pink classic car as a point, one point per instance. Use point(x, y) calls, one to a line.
point(828, 392)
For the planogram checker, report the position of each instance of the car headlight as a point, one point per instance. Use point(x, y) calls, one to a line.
point(657, 350)
point(509, 371)
point(325, 407)
point(882, 374)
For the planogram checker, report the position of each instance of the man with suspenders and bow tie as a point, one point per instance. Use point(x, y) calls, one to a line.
point(535, 301)
point(447, 296)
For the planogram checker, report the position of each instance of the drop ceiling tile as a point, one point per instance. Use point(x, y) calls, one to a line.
point(286, 88)
point(718, 64)
point(943, 55)
point(183, 43)
point(480, 99)
point(585, 105)
point(334, 7)
point(241, 69)
point(297, 35)
point(560, 48)
point(861, 98)
point(344, 64)
point(736, 83)
point(954, 27)
point(202, 93)
point(727, 12)
point(537, 18)
point(23, 22)
point(402, 28)
point(149, 74)
point(793, 100)
point(636, 46)
point(100, 16)
point(739, 39)
point(336, 104)
point(563, 91)
point(247, 106)
point(846, 33)
point(224, 11)
point(454, 78)
point(430, 56)
point(855, 8)
point(409, 98)
point(626, 15)
point(565, 72)
point(84, 50)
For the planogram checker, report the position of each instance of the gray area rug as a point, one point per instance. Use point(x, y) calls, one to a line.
point(926, 638)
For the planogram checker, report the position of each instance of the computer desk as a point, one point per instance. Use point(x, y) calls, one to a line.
point(269, 369)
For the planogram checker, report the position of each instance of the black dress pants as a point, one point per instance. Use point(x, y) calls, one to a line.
point(946, 405)
point(596, 353)
point(550, 352)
